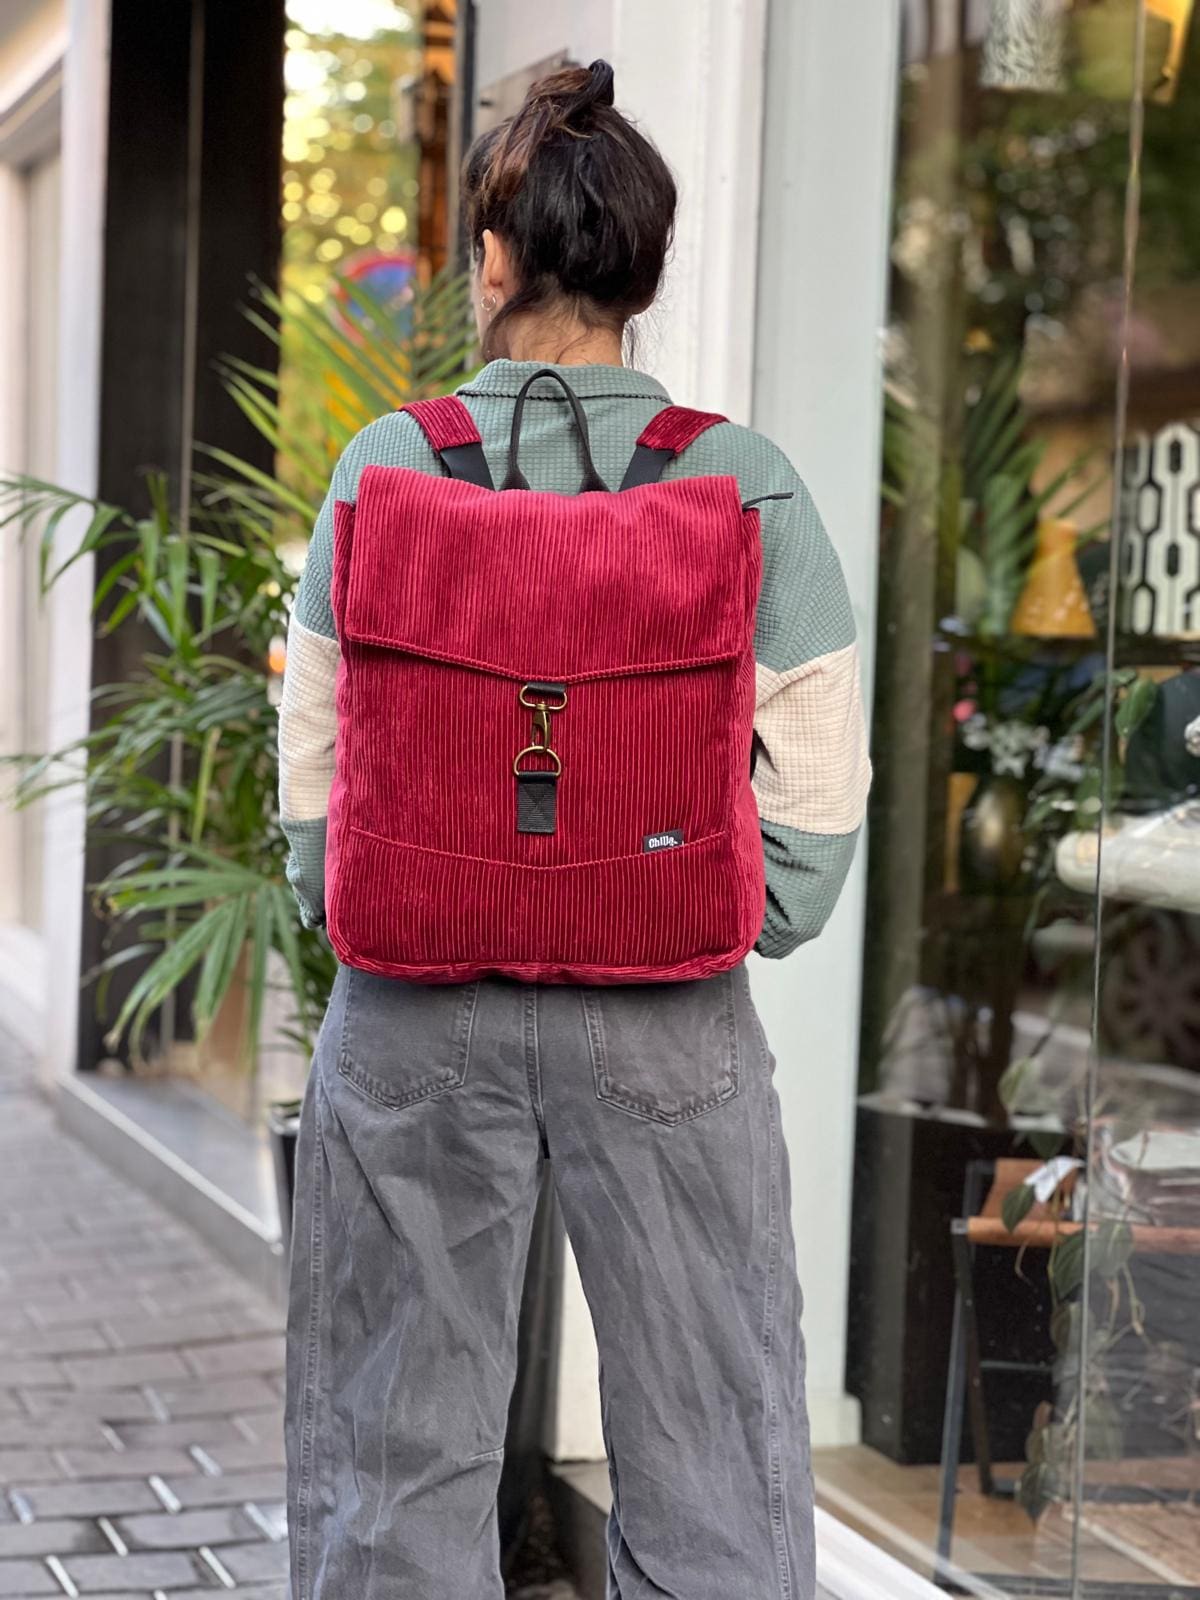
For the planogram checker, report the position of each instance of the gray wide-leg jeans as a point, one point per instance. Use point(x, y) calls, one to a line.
point(426, 1118)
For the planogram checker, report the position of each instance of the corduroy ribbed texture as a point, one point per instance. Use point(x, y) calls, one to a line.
point(445, 422)
point(676, 427)
point(643, 604)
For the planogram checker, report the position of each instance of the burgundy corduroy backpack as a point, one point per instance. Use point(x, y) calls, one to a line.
point(545, 710)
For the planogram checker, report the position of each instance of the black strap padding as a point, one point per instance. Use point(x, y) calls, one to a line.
point(646, 466)
point(468, 463)
point(515, 478)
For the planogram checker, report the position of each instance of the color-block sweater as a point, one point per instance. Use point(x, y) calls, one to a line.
point(813, 770)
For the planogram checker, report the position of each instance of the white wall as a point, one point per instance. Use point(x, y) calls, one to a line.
point(514, 34)
point(13, 316)
point(822, 279)
point(692, 72)
point(33, 39)
point(84, 146)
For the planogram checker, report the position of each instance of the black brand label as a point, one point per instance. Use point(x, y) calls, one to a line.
point(662, 841)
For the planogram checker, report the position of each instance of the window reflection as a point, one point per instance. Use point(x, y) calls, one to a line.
point(1026, 1272)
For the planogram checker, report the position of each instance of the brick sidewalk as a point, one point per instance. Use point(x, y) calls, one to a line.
point(141, 1444)
point(141, 1450)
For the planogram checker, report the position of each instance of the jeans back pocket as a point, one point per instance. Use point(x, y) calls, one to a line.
point(664, 1051)
point(404, 1042)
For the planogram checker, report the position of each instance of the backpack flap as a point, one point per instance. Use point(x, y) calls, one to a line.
point(555, 587)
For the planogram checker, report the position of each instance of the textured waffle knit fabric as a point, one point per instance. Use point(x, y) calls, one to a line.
point(813, 770)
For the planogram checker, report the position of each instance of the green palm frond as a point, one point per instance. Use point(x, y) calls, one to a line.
point(986, 497)
point(202, 886)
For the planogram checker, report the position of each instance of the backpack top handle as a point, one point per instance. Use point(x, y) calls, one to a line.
point(515, 478)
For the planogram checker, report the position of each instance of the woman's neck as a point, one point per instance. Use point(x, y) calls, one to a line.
point(563, 343)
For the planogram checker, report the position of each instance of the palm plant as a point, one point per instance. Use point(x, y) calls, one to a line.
point(181, 762)
point(984, 503)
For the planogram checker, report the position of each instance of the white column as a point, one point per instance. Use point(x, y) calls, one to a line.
point(822, 276)
point(691, 71)
point(84, 146)
point(13, 317)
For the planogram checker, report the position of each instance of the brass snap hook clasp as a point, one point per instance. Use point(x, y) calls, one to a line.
point(543, 699)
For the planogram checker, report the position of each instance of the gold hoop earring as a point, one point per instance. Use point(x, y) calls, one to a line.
point(488, 302)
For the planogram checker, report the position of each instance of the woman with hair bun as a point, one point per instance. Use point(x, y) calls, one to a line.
point(571, 722)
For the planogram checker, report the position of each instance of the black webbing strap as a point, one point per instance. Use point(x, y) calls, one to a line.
point(468, 463)
point(646, 465)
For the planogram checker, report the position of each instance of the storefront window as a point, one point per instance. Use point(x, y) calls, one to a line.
point(1031, 1023)
point(351, 158)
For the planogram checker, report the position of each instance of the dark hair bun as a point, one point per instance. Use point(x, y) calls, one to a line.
point(568, 99)
point(583, 200)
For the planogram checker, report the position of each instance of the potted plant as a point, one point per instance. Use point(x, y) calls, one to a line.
point(181, 763)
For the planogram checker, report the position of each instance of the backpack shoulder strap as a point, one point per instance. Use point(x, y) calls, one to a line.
point(450, 429)
point(663, 438)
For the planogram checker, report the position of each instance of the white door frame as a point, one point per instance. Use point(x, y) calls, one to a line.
point(30, 121)
point(84, 156)
point(56, 94)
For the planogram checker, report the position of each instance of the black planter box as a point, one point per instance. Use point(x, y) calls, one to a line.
point(909, 1171)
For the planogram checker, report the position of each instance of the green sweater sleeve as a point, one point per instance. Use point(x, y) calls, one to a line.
point(813, 769)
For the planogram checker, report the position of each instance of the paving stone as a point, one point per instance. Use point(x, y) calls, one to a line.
point(206, 1398)
point(233, 1488)
point(108, 1405)
point(239, 1357)
point(140, 1594)
point(250, 1453)
point(67, 1340)
point(256, 1591)
point(191, 1430)
point(36, 1268)
point(30, 1466)
point(169, 1531)
point(153, 1332)
point(18, 1302)
point(113, 1372)
point(151, 1570)
point(79, 1308)
point(51, 1537)
point(27, 1578)
point(259, 1424)
point(170, 1298)
point(255, 1563)
point(105, 1497)
point(67, 1428)
point(128, 1463)
point(270, 1518)
point(25, 1374)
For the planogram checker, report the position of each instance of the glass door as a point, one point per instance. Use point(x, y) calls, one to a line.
point(1026, 1240)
